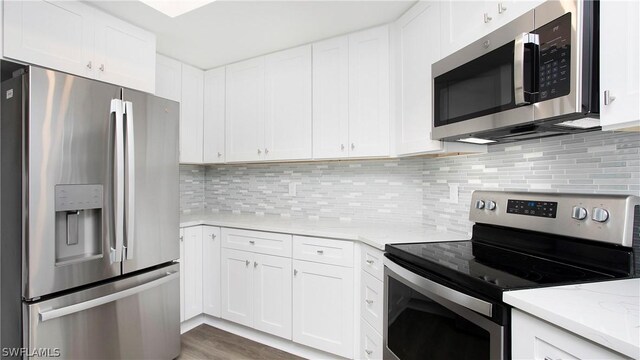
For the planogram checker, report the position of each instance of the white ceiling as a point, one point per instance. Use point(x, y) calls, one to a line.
point(227, 31)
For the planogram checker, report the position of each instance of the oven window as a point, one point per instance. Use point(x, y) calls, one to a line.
point(420, 328)
point(480, 87)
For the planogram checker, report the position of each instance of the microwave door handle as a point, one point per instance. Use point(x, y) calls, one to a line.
point(118, 180)
point(520, 93)
point(129, 187)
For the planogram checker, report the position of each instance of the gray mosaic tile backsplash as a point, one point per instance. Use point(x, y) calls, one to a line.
point(417, 189)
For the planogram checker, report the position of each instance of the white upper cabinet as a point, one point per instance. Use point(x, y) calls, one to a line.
point(463, 22)
point(331, 98)
point(168, 78)
point(74, 37)
point(288, 104)
point(125, 54)
point(214, 114)
point(54, 34)
point(211, 270)
point(369, 92)
point(619, 69)
point(244, 121)
point(191, 115)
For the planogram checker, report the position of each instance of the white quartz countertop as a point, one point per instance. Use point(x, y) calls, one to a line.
point(373, 234)
point(607, 313)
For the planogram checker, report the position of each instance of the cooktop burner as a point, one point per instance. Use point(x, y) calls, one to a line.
point(489, 269)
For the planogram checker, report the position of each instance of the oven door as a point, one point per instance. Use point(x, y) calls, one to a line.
point(426, 320)
point(488, 84)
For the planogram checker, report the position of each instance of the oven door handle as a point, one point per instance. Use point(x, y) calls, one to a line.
point(520, 93)
point(464, 300)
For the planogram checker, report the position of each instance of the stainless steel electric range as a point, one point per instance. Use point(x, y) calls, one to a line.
point(443, 300)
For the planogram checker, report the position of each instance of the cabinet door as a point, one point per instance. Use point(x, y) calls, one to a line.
point(370, 342)
point(502, 12)
point(462, 23)
point(323, 315)
point(53, 34)
point(211, 270)
point(181, 260)
point(371, 293)
point(192, 271)
point(125, 54)
point(244, 120)
point(331, 98)
point(288, 104)
point(214, 103)
point(417, 37)
point(191, 115)
point(272, 295)
point(619, 59)
point(168, 78)
point(237, 287)
point(369, 93)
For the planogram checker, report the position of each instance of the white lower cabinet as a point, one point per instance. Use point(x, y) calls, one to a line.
point(181, 260)
point(533, 338)
point(323, 314)
point(211, 270)
point(370, 342)
point(192, 271)
point(256, 291)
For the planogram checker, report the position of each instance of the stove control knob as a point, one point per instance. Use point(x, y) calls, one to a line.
point(600, 215)
point(480, 204)
point(579, 213)
point(491, 205)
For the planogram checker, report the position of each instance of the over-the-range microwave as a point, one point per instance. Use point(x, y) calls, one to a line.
point(534, 77)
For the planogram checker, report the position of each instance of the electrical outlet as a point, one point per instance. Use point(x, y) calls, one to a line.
point(292, 189)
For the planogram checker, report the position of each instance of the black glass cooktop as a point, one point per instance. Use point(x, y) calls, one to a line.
point(488, 269)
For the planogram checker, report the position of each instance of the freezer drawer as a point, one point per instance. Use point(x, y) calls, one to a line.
point(134, 318)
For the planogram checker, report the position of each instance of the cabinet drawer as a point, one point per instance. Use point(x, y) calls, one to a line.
point(370, 342)
point(371, 292)
point(257, 241)
point(326, 251)
point(372, 261)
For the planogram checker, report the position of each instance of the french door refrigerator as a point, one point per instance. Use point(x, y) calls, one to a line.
point(89, 218)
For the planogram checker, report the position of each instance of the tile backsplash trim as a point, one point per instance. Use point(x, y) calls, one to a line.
point(416, 190)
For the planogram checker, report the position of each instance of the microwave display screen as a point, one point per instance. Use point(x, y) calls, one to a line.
point(555, 58)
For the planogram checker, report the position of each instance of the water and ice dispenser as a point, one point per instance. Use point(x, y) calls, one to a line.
point(78, 223)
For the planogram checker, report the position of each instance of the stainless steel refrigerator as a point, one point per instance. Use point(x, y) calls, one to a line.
point(89, 218)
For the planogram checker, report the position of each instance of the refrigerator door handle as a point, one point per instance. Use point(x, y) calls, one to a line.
point(129, 187)
point(118, 180)
point(86, 305)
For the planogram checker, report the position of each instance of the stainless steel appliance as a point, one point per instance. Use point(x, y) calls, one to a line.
point(89, 217)
point(443, 300)
point(536, 76)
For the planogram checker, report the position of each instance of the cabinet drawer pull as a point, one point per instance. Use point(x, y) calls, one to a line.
point(295, 272)
point(370, 262)
point(369, 352)
point(247, 262)
point(255, 264)
point(89, 65)
point(487, 18)
point(501, 8)
point(320, 252)
point(252, 242)
point(102, 67)
point(369, 301)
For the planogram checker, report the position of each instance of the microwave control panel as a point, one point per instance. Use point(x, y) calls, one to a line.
point(555, 58)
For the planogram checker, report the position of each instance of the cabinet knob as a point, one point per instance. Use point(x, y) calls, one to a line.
point(255, 264)
point(213, 236)
point(219, 154)
point(181, 238)
point(259, 151)
point(342, 147)
point(266, 151)
point(487, 18)
point(501, 8)
point(370, 262)
point(295, 272)
point(320, 252)
point(369, 352)
point(89, 65)
point(608, 98)
point(102, 67)
point(252, 242)
point(247, 262)
point(353, 146)
point(369, 301)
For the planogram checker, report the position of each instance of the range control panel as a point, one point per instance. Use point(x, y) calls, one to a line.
point(555, 58)
point(532, 208)
point(605, 218)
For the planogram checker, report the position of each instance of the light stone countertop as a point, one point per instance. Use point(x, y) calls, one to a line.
point(373, 234)
point(607, 313)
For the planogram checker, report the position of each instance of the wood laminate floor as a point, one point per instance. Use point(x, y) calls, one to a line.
point(206, 342)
